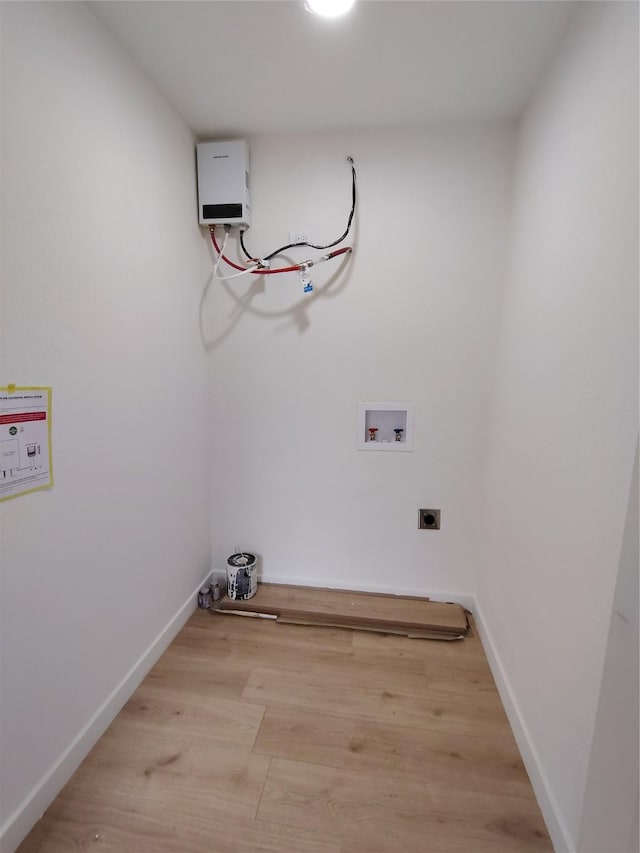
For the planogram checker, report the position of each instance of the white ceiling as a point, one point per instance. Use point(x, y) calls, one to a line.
point(242, 67)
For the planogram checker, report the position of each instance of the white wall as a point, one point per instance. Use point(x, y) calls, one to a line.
point(565, 413)
point(103, 268)
point(102, 272)
point(411, 317)
point(610, 806)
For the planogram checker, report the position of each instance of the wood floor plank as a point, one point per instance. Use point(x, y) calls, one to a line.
point(224, 721)
point(214, 628)
point(396, 812)
point(395, 646)
point(286, 651)
point(463, 713)
point(404, 673)
point(178, 773)
point(200, 674)
point(466, 762)
point(79, 820)
point(335, 667)
point(444, 670)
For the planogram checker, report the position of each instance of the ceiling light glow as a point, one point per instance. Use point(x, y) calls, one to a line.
point(329, 8)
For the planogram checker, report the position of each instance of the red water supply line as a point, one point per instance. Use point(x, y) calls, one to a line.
point(262, 271)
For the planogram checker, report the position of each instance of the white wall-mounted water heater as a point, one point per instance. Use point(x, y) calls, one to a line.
point(223, 183)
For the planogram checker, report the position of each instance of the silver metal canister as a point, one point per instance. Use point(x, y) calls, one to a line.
point(204, 598)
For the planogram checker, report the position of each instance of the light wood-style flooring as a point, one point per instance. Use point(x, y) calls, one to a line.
point(250, 735)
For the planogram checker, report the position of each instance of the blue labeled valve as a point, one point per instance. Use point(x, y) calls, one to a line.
point(307, 286)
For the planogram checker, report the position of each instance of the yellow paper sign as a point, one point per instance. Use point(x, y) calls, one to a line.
point(25, 440)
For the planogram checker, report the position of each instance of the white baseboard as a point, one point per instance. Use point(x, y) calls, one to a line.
point(20, 823)
point(560, 836)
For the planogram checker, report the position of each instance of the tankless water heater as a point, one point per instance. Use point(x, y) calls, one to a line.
point(223, 183)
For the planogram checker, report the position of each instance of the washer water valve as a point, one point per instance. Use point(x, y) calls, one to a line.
point(305, 278)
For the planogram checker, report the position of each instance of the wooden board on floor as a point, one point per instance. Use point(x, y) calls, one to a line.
point(372, 626)
point(416, 617)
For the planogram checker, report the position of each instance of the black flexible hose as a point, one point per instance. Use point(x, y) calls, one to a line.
point(312, 245)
